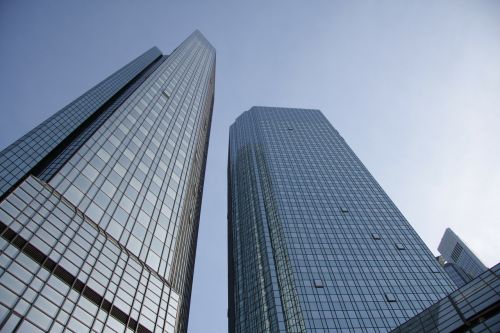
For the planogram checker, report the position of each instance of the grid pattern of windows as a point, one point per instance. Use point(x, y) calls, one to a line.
point(457, 251)
point(130, 177)
point(58, 271)
point(134, 176)
point(47, 171)
point(138, 177)
point(21, 156)
point(475, 307)
point(339, 256)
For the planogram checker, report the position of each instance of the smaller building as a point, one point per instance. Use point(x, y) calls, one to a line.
point(475, 307)
point(457, 274)
point(454, 251)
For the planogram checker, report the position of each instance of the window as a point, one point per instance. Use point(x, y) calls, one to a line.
point(457, 251)
point(390, 297)
point(318, 284)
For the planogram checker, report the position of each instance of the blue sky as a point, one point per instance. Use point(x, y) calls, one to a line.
point(412, 86)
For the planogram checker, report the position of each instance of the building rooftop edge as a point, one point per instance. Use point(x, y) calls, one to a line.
point(271, 108)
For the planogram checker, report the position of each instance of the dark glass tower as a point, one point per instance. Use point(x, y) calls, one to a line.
point(99, 206)
point(315, 244)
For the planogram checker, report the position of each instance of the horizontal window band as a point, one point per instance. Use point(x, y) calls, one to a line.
point(76, 284)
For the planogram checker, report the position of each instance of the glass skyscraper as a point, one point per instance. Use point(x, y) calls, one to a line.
point(100, 204)
point(315, 244)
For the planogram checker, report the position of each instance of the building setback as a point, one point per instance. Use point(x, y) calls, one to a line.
point(100, 204)
point(315, 244)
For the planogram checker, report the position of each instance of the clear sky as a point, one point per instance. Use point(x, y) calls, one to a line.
point(413, 87)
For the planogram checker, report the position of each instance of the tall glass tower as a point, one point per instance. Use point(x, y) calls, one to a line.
point(100, 204)
point(315, 244)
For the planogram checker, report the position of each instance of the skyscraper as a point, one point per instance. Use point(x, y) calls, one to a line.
point(454, 251)
point(315, 244)
point(100, 204)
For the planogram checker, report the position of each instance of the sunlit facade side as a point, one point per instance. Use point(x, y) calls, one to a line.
point(315, 244)
point(101, 235)
point(22, 156)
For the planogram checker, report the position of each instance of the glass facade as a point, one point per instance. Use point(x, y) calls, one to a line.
point(120, 208)
point(61, 271)
point(47, 168)
point(22, 156)
point(454, 250)
point(475, 307)
point(315, 244)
